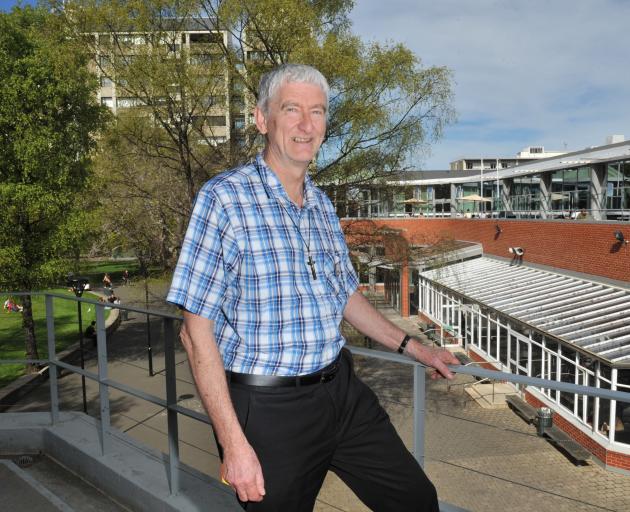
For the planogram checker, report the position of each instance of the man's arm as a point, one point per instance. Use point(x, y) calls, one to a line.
point(369, 321)
point(240, 463)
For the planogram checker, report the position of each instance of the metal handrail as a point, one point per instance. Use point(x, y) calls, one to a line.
point(173, 409)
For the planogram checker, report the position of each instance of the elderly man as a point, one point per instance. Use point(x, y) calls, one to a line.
point(264, 280)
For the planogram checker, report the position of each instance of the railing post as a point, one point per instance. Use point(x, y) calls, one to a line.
point(103, 390)
point(171, 400)
point(52, 360)
point(419, 401)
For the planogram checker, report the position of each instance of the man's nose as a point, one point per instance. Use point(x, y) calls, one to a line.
point(306, 122)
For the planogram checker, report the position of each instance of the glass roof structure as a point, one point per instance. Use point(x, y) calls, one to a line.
point(593, 317)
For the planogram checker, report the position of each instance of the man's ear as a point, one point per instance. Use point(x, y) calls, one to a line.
point(261, 122)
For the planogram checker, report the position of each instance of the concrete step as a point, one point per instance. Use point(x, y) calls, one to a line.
point(489, 398)
point(55, 487)
point(19, 491)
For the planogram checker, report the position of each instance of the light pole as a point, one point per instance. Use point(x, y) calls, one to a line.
point(78, 285)
point(498, 201)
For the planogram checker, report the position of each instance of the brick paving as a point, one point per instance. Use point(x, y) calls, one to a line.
point(486, 460)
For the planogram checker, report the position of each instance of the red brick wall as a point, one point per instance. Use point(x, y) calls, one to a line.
point(608, 457)
point(478, 359)
point(568, 244)
point(404, 290)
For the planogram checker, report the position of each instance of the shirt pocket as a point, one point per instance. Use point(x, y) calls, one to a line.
point(333, 277)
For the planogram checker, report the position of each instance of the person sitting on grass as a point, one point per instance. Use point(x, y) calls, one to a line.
point(11, 306)
point(113, 299)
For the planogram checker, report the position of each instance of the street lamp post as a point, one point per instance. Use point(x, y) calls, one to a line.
point(78, 285)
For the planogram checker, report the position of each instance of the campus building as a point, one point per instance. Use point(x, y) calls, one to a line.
point(535, 280)
point(491, 162)
point(222, 114)
point(594, 182)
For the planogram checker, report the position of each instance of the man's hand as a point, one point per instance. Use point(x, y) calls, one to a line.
point(241, 470)
point(436, 358)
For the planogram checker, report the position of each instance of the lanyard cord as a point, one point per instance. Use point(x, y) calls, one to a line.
point(311, 261)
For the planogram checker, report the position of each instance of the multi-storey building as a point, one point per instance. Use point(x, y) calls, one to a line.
point(222, 115)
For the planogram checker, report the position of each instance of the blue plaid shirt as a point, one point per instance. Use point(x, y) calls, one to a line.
point(244, 265)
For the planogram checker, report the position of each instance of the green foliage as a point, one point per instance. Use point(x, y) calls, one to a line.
point(48, 120)
point(66, 329)
point(386, 108)
point(94, 270)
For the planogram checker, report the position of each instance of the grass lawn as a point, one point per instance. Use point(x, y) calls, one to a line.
point(66, 330)
point(95, 270)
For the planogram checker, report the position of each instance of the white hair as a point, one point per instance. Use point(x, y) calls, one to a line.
point(271, 81)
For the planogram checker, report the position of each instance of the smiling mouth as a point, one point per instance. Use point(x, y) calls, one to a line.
point(301, 139)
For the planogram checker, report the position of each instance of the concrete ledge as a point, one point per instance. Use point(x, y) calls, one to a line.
point(130, 472)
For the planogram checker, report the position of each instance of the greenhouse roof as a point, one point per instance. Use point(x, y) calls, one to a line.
point(592, 316)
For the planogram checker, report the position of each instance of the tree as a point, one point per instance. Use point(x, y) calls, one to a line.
point(385, 108)
point(48, 121)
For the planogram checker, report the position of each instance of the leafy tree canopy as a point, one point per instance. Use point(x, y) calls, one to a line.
point(386, 108)
point(48, 122)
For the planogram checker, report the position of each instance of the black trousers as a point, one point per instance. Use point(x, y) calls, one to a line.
point(301, 433)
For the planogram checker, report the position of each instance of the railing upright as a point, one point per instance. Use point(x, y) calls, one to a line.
point(103, 388)
point(419, 404)
point(171, 402)
point(52, 357)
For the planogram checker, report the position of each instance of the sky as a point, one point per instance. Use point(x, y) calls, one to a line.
point(553, 73)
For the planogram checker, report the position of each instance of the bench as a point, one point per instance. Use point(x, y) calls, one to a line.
point(522, 408)
point(561, 440)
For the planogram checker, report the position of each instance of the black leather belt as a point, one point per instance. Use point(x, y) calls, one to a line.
point(326, 374)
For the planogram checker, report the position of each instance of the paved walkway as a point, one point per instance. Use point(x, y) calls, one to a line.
point(480, 460)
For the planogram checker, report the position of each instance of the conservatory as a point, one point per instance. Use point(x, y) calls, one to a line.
point(542, 324)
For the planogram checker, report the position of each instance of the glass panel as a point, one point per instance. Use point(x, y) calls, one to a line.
point(567, 368)
point(622, 416)
point(503, 345)
point(604, 404)
point(492, 342)
point(484, 333)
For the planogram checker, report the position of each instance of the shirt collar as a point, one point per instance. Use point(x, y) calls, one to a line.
point(275, 189)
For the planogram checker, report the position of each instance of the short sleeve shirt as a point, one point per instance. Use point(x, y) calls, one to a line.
point(244, 264)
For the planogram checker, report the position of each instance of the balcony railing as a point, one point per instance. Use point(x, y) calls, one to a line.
point(170, 403)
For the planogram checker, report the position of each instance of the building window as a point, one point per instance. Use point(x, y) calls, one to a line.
point(201, 59)
point(238, 102)
point(257, 55)
point(618, 186)
point(216, 120)
point(128, 102)
point(206, 38)
point(469, 165)
point(107, 101)
point(106, 81)
point(238, 123)
point(104, 61)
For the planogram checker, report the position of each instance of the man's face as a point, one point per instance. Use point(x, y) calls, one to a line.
point(295, 125)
